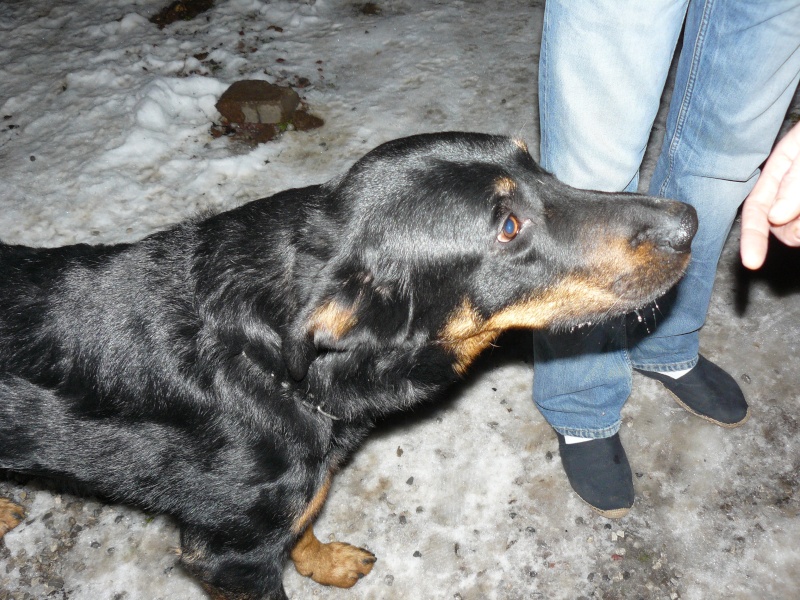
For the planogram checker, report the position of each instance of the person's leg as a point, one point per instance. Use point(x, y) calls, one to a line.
point(602, 70)
point(738, 70)
point(603, 65)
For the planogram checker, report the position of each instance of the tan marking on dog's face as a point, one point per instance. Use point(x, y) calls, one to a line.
point(11, 515)
point(466, 334)
point(577, 297)
point(642, 268)
point(505, 186)
point(313, 508)
point(520, 144)
point(337, 564)
point(332, 319)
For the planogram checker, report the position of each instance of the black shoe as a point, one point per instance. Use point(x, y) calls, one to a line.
point(707, 392)
point(599, 472)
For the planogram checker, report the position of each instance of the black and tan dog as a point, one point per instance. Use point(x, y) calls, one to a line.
point(222, 370)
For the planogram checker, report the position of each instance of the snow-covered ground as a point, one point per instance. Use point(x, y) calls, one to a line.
point(104, 137)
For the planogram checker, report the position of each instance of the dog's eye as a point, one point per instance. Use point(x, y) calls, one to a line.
point(510, 229)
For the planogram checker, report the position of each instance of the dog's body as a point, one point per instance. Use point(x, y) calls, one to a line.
point(220, 371)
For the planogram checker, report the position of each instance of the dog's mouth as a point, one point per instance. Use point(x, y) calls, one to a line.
point(579, 300)
point(635, 289)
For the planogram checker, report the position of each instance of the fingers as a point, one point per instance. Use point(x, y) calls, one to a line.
point(755, 221)
point(787, 201)
point(788, 234)
point(774, 204)
point(753, 247)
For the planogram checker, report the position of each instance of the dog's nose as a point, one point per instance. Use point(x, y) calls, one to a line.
point(681, 237)
point(672, 229)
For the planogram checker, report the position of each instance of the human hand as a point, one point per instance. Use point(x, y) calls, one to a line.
point(774, 204)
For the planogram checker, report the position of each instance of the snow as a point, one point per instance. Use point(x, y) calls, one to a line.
point(104, 137)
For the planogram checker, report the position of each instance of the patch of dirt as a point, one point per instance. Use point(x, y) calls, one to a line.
point(181, 10)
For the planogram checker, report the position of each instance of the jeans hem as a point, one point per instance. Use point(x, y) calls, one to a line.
point(594, 434)
point(666, 367)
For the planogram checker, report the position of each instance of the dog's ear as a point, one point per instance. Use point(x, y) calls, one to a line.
point(324, 326)
point(355, 313)
point(326, 318)
point(299, 352)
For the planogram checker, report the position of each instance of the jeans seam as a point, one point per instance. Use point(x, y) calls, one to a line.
point(687, 96)
point(626, 354)
point(543, 109)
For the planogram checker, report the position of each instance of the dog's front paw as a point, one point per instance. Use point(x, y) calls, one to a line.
point(337, 563)
point(11, 515)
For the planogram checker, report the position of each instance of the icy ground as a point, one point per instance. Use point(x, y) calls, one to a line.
point(104, 124)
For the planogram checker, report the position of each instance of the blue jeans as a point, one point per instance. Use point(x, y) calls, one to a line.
point(602, 71)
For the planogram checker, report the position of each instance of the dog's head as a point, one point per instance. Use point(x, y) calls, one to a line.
point(453, 238)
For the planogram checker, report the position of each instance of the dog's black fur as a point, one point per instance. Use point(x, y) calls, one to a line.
point(221, 370)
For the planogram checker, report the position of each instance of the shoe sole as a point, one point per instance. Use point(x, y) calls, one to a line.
point(614, 513)
point(706, 417)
